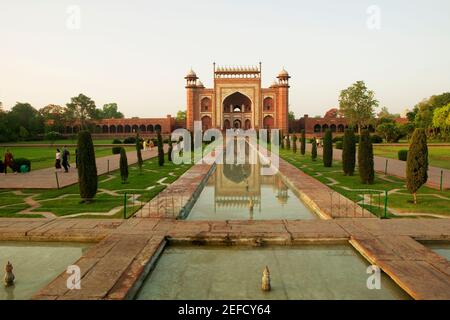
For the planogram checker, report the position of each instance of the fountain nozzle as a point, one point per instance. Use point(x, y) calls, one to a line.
point(9, 275)
point(265, 283)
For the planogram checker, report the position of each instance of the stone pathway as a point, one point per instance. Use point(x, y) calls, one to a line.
point(47, 178)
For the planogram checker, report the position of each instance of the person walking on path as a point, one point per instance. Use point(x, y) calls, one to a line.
point(65, 159)
point(9, 161)
point(144, 145)
point(150, 145)
point(58, 160)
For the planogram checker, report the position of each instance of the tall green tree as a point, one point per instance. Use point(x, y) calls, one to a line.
point(390, 131)
point(138, 152)
point(81, 109)
point(417, 162)
point(87, 168)
point(294, 144)
point(365, 158)
point(314, 150)
point(327, 149)
point(24, 115)
point(303, 143)
point(123, 165)
point(357, 104)
point(160, 150)
point(348, 152)
point(424, 110)
point(291, 116)
point(54, 117)
point(181, 115)
point(441, 120)
point(110, 111)
point(169, 152)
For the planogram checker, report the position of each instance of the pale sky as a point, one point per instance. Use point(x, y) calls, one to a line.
point(136, 53)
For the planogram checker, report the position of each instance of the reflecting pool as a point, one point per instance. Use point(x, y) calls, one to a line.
point(240, 192)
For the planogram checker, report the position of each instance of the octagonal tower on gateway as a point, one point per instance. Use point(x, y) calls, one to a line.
point(238, 100)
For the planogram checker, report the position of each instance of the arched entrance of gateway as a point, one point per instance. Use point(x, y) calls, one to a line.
point(237, 108)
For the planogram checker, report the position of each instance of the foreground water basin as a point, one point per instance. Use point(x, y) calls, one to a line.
point(331, 271)
point(35, 265)
point(441, 248)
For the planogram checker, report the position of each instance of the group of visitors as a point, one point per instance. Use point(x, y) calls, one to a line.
point(147, 144)
point(62, 159)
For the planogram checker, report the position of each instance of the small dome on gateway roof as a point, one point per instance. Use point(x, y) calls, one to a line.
point(191, 73)
point(283, 73)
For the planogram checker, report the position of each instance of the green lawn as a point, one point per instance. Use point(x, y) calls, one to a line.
point(63, 141)
point(141, 187)
point(430, 201)
point(44, 157)
point(437, 156)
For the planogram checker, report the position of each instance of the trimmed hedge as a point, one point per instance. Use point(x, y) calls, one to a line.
point(376, 138)
point(303, 143)
point(365, 158)
point(339, 145)
point(129, 140)
point(116, 150)
point(402, 155)
point(87, 168)
point(349, 152)
point(117, 141)
point(417, 162)
point(327, 149)
point(18, 162)
point(314, 150)
point(123, 165)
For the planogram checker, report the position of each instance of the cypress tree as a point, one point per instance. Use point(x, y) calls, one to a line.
point(314, 150)
point(87, 168)
point(123, 165)
point(327, 149)
point(169, 154)
point(294, 144)
point(288, 143)
point(192, 141)
point(417, 162)
point(303, 143)
point(138, 152)
point(281, 138)
point(160, 150)
point(348, 152)
point(365, 158)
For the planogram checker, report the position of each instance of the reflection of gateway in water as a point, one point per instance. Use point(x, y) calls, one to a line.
point(239, 186)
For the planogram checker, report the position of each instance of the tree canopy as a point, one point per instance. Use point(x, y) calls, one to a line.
point(181, 115)
point(110, 111)
point(81, 108)
point(357, 104)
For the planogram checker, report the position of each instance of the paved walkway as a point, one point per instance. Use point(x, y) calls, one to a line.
point(398, 168)
point(48, 179)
